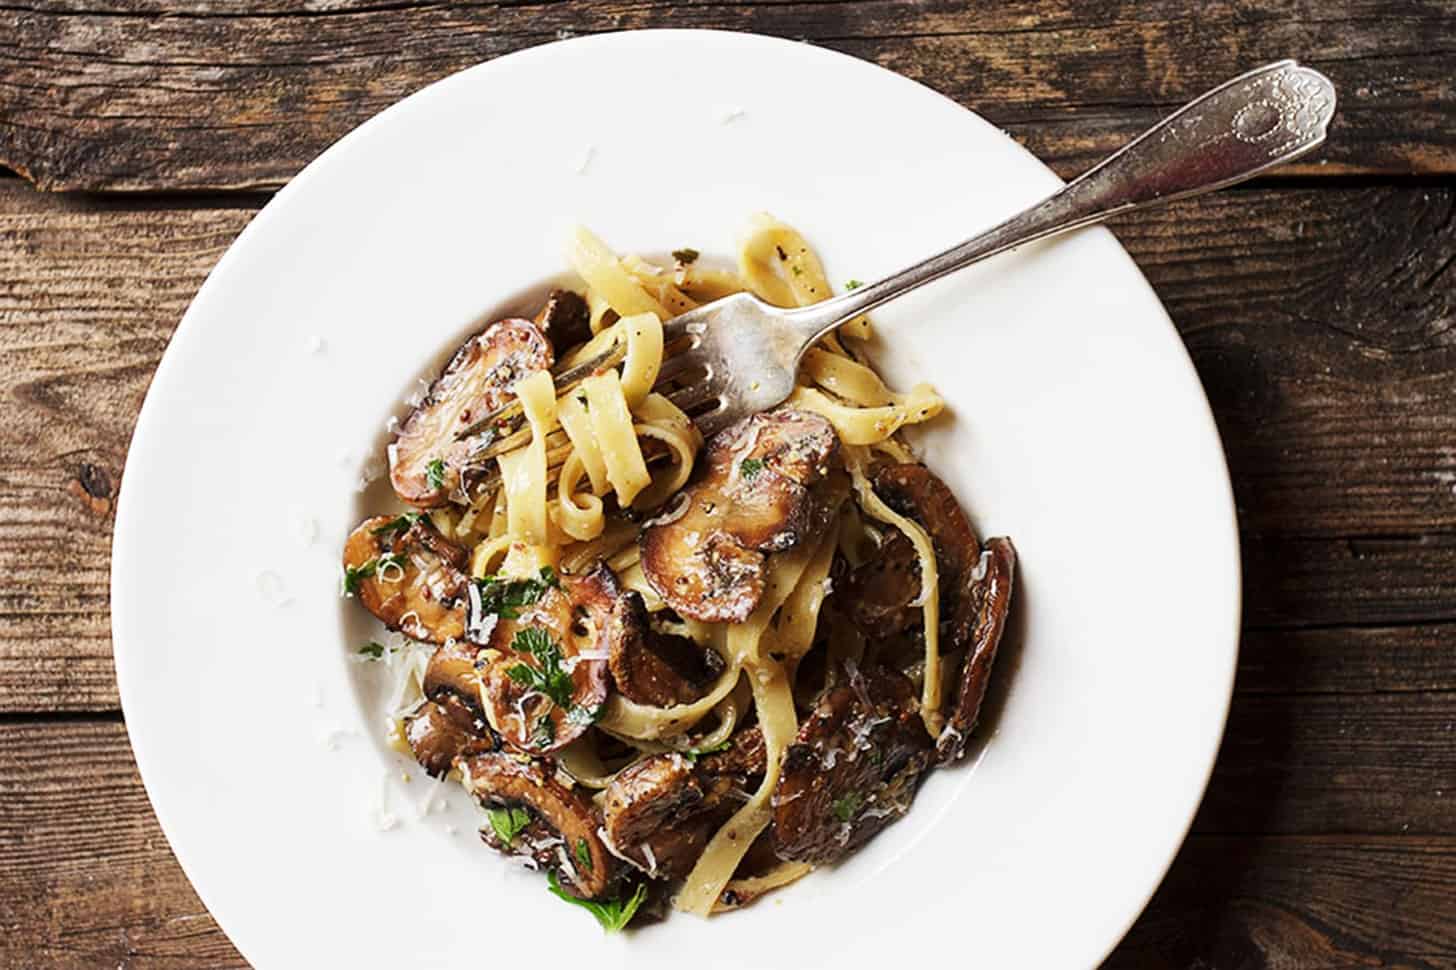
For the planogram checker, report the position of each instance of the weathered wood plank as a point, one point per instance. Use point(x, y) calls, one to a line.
point(1337, 405)
point(1348, 660)
point(1324, 903)
point(146, 94)
point(88, 881)
point(1335, 763)
point(89, 296)
point(86, 875)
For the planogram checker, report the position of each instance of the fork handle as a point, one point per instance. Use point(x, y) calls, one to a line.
point(1245, 126)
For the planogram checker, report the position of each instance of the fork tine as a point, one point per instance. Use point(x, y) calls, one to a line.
point(697, 395)
point(677, 364)
point(677, 327)
point(711, 422)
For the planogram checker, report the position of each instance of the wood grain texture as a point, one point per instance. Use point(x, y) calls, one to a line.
point(88, 881)
point(163, 94)
point(86, 877)
point(89, 295)
point(1338, 414)
point(1302, 903)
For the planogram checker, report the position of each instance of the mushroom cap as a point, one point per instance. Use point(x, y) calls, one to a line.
point(852, 770)
point(544, 676)
point(660, 813)
point(441, 731)
point(477, 381)
point(562, 832)
point(422, 594)
point(754, 493)
point(987, 596)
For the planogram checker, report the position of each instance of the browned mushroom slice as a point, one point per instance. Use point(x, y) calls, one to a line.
point(878, 595)
point(454, 672)
point(565, 319)
point(409, 576)
point(426, 461)
point(852, 770)
point(533, 814)
point(655, 668)
point(545, 672)
point(756, 492)
point(988, 596)
point(660, 812)
point(441, 731)
point(913, 490)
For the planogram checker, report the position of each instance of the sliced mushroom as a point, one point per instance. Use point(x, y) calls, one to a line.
point(565, 319)
point(655, 668)
point(544, 675)
point(660, 812)
point(454, 672)
point(913, 490)
point(853, 769)
point(426, 462)
point(441, 731)
point(878, 595)
point(988, 596)
point(560, 832)
point(761, 488)
point(409, 576)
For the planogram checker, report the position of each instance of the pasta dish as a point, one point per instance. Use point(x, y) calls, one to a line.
point(675, 672)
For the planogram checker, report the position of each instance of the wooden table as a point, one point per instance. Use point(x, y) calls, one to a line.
point(1318, 304)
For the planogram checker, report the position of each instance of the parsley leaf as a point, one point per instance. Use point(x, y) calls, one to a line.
point(613, 914)
point(505, 597)
point(583, 854)
point(853, 285)
point(399, 524)
point(435, 473)
point(844, 808)
point(749, 467)
point(798, 271)
point(372, 650)
point(549, 678)
point(685, 255)
point(581, 398)
point(508, 822)
point(354, 575)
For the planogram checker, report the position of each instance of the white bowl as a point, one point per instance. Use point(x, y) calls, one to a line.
point(1078, 428)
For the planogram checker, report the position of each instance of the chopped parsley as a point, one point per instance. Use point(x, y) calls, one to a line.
point(435, 473)
point(613, 914)
point(583, 854)
point(399, 524)
point(373, 650)
point(749, 467)
point(508, 822)
point(549, 678)
point(354, 575)
point(581, 399)
point(505, 597)
point(853, 285)
point(844, 808)
point(798, 270)
point(686, 255)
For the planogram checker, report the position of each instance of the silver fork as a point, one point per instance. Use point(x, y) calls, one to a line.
point(742, 354)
